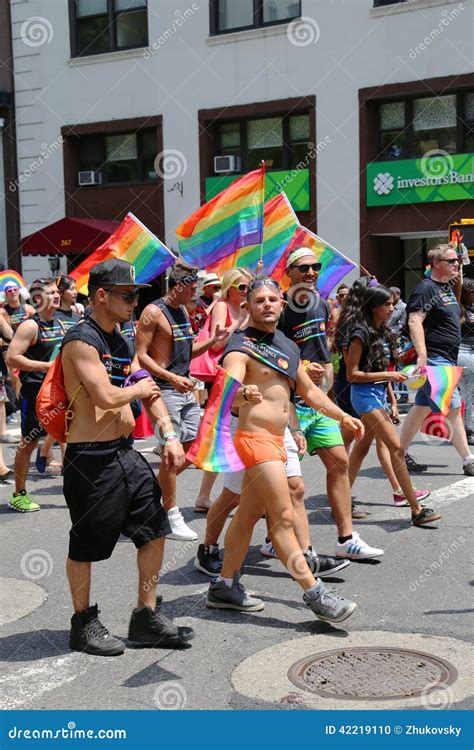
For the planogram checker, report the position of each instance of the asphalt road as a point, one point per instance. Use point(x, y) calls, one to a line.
point(421, 586)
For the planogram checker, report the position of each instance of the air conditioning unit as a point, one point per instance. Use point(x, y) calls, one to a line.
point(226, 164)
point(89, 178)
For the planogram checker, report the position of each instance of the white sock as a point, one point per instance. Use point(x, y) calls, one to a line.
point(228, 581)
point(469, 457)
point(174, 512)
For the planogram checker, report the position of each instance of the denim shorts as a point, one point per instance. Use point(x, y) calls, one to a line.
point(423, 394)
point(367, 397)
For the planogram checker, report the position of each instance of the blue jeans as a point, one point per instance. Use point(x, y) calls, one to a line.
point(423, 395)
point(466, 384)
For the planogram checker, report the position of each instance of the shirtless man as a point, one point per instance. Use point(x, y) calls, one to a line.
point(110, 488)
point(269, 366)
point(165, 348)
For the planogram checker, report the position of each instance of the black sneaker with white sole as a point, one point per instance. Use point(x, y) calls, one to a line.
point(208, 562)
point(324, 566)
point(90, 636)
point(413, 465)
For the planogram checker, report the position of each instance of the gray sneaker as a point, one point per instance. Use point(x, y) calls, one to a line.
point(469, 469)
point(329, 606)
point(221, 596)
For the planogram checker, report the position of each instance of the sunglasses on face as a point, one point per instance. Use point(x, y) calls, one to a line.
point(12, 289)
point(128, 297)
point(451, 261)
point(304, 267)
point(240, 287)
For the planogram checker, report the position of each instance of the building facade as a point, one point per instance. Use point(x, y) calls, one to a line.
point(127, 104)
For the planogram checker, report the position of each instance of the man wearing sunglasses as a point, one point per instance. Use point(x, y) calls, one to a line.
point(304, 321)
point(434, 322)
point(16, 309)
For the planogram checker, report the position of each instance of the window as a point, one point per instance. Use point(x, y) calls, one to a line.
point(127, 157)
point(412, 127)
point(100, 26)
point(281, 142)
point(235, 15)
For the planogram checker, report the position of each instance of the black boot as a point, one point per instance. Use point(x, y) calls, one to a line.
point(89, 635)
point(185, 632)
point(148, 628)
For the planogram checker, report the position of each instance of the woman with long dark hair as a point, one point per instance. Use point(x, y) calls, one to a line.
point(370, 351)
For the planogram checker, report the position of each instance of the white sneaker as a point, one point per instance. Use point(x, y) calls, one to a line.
point(356, 549)
point(268, 550)
point(179, 531)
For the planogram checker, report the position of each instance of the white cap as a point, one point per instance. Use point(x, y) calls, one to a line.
point(211, 278)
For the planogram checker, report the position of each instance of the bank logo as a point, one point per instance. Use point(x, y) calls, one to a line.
point(383, 183)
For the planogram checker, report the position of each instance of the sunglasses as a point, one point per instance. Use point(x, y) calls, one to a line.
point(451, 261)
point(257, 283)
point(240, 287)
point(128, 297)
point(12, 289)
point(304, 267)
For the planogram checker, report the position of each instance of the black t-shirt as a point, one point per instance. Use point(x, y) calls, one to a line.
point(113, 349)
point(442, 324)
point(69, 318)
point(467, 329)
point(366, 363)
point(305, 324)
point(344, 340)
point(273, 349)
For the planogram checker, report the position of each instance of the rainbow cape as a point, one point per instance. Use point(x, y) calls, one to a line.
point(213, 448)
point(279, 225)
point(12, 276)
point(231, 220)
point(334, 265)
point(443, 380)
point(133, 242)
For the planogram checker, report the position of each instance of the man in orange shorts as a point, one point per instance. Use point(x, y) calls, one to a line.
point(268, 364)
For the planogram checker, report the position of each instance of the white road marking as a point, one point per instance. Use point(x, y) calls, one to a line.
point(452, 492)
point(24, 686)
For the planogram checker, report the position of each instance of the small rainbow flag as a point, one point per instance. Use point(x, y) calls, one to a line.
point(133, 242)
point(12, 277)
point(334, 265)
point(213, 448)
point(231, 220)
point(279, 225)
point(443, 380)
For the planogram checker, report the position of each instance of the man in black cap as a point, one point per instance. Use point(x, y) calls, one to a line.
point(110, 489)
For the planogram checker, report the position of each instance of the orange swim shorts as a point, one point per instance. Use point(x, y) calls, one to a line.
point(258, 447)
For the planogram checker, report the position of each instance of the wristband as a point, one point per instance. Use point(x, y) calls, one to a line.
point(293, 432)
point(170, 435)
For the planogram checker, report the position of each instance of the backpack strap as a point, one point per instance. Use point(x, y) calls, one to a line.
point(68, 417)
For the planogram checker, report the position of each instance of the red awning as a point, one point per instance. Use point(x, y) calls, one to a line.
point(68, 237)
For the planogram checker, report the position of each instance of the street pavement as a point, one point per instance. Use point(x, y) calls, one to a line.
point(419, 592)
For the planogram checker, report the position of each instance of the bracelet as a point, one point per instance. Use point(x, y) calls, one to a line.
point(293, 432)
point(170, 435)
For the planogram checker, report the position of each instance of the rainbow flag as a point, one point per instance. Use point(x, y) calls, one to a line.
point(279, 225)
point(231, 220)
point(213, 448)
point(8, 277)
point(334, 265)
point(443, 380)
point(133, 242)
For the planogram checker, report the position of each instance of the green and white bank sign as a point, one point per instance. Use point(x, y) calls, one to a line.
point(437, 176)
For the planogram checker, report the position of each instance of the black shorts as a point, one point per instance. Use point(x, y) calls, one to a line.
point(110, 489)
point(342, 392)
point(30, 426)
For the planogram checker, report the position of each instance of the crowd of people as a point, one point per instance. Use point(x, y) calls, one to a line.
point(317, 377)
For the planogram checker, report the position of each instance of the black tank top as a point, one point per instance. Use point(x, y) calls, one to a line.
point(180, 357)
point(69, 318)
point(17, 315)
point(48, 343)
point(113, 348)
point(467, 328)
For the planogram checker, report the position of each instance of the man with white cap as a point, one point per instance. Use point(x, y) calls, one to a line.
point(304, 321)
point(16, 309)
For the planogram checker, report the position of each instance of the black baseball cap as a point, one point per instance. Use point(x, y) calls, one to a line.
point(114, 272)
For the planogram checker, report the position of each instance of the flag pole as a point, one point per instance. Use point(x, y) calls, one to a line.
point(262, 165)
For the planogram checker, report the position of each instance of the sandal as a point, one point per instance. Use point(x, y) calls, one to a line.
point(426, 515)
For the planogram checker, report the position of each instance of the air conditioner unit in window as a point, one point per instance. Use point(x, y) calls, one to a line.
point(226, 164)
point(89, 178)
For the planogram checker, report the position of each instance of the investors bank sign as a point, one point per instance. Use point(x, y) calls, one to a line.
point(437, 176)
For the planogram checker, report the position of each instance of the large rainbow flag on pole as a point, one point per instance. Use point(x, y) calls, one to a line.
point(279, 225)
point(334, 265)
point(133, 242)
point(213, 448)
point(443, 380)
point(231, 220)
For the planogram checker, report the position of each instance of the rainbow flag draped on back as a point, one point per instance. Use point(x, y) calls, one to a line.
point(231, 220)
point(443, 380)
point(133, 242)
point(213, 448)
point(334, 265)
point(279, 225)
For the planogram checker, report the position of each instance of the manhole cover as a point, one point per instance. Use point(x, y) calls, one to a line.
point(371, 673)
